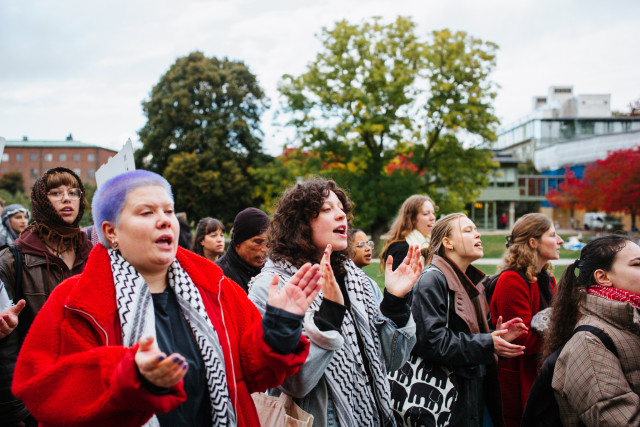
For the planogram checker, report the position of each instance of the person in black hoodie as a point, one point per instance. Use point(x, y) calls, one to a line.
point(247, 252)
point(53, 248)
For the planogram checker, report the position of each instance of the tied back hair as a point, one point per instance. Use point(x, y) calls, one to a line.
point(599, 254)
point(519, 255)
point(441, 229)
point(290, 234)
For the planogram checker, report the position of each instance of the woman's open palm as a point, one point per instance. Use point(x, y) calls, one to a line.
point(298, 293)
point(401, 281)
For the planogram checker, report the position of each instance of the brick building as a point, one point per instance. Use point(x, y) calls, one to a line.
point(32, 158)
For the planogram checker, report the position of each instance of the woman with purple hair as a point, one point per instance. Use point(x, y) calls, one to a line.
point(152, 334)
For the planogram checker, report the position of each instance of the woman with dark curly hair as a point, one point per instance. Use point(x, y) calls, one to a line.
point(354, 341)
point(533, 243)
point(592, 385)
point(209, 239)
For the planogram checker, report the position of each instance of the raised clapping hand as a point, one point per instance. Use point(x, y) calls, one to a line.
point(298, 293)
point(156, 367)
point(505, 333)
point(9, 318)
point(330, 288)
point(401, 281)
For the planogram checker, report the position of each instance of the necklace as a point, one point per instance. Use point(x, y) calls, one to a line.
point(59, 254)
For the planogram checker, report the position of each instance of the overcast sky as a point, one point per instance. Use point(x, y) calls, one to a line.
point(83, 67)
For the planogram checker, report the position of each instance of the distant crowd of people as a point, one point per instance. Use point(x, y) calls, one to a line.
point(136, 321)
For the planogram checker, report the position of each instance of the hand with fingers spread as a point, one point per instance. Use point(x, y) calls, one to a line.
point(401, 281)
point(514, 328)
point(330, 288)
point(298, 293)
point(9, 318)
point(503, 348)
point(156, 367)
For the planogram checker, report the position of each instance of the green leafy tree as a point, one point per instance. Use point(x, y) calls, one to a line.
point(209, 185)
point(203, 125)
point(12, 182)
point(270, 180)
point(377, 91)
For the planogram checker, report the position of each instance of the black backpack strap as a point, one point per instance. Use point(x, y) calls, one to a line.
point(602, 335)
point(17, 256)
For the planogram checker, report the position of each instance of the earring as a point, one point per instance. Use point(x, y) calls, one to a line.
point(114, 245)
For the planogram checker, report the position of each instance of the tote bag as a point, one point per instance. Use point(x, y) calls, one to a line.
point(423, 393)
point(280, 411)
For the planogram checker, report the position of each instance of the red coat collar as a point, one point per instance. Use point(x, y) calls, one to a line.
point(95, 294)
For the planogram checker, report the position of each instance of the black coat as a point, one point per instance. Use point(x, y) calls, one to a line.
point(465, 346)
point(236, 269)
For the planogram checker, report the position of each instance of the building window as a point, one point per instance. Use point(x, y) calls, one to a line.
point(91, 174)
point(5, 157)
point(4, 170)
point(48, 157)
point(78, 171)
point(18, 157)
point(34, 157)
point(62, 157)
point(91, 157)
point(77, 157)
point(34, 173)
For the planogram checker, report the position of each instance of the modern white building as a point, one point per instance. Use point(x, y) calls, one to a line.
point(567, 129)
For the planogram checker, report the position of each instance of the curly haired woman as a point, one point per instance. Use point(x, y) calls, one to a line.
point(354, 340)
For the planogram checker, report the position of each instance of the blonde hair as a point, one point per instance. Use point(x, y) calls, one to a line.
point(441, 229)
point(520, 255)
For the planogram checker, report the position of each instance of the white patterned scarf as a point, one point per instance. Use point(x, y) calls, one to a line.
point(351, 391)
point(137, 319)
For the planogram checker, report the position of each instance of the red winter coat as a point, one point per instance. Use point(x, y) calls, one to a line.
point(73, 369)
point(515, 298)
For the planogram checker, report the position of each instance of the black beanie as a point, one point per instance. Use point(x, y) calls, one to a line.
point(248, 223)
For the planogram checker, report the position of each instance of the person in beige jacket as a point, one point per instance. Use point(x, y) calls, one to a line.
point(592, 386)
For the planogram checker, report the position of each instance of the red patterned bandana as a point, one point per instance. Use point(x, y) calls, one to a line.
point(615, 294)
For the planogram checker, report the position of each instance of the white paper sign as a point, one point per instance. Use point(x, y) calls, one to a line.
point(118, 164)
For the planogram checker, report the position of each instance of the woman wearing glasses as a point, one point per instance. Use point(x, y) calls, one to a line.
point(53, 248)
point(363, 248)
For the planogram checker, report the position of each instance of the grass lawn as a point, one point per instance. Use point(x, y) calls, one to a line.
point(373, 272)
point(493, 248)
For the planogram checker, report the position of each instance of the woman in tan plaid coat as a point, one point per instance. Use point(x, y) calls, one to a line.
point(592, 386)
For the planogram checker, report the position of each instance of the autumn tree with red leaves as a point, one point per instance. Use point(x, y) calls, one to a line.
point(569, 193)
point(614, 183)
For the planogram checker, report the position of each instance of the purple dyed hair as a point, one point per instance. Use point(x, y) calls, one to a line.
point(110, 197)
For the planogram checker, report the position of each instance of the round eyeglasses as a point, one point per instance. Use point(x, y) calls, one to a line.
point(363, 244)
point(72, 193)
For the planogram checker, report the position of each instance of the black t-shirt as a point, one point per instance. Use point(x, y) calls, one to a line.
point(174, 335)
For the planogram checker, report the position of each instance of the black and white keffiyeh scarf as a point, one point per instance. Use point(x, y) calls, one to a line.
point(137, 319)
point(351, 391)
